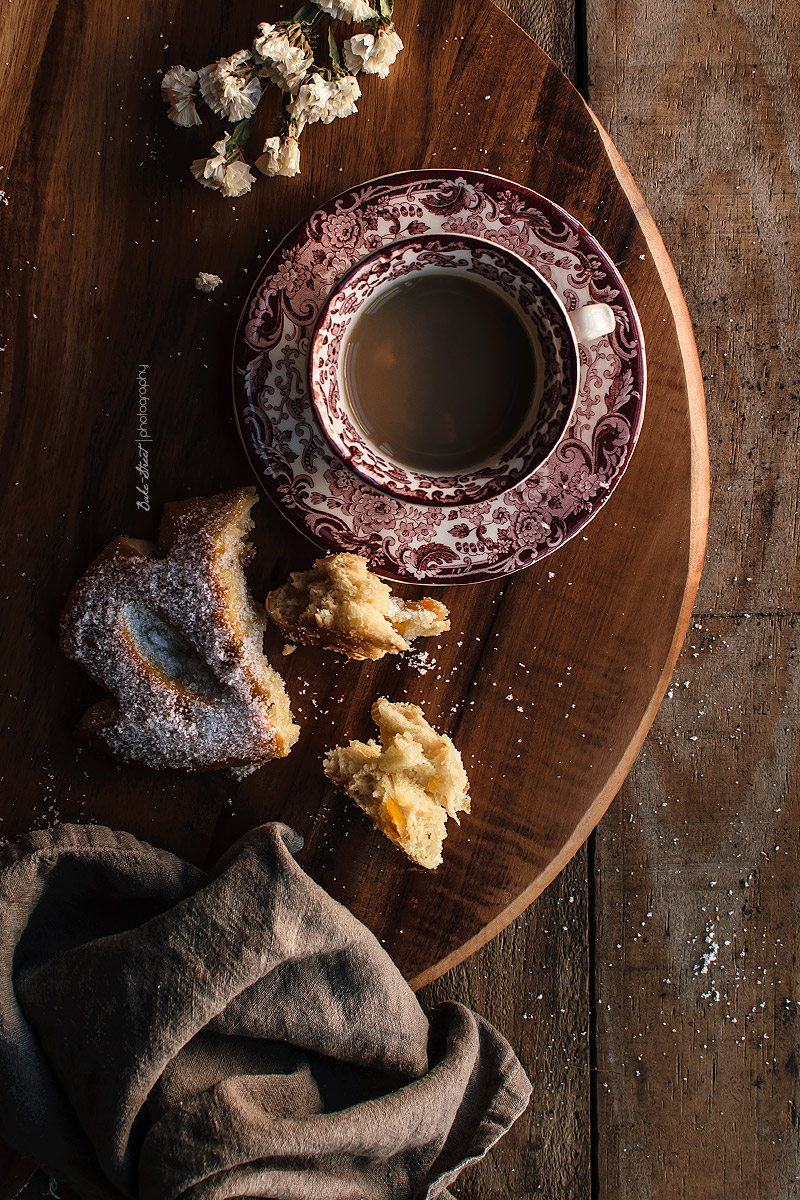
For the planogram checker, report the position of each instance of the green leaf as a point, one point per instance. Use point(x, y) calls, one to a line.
point(386, 9)
point(333, 49)
point(308, 12)
point(240, 134)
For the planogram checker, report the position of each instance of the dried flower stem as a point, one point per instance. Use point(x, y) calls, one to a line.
point(282, 55)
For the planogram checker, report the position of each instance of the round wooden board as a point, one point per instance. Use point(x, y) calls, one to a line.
point(548, 681)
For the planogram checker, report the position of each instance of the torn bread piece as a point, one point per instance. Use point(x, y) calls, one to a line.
point(340, 604)
point(409, 784)
point(173, 634)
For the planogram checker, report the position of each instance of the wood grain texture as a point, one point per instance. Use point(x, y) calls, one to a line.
point(551, 24)
point(532, 982)
point(573, 639)
point(141, 262)
point(697, 944)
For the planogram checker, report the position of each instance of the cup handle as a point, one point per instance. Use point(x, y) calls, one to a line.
point(593, 321)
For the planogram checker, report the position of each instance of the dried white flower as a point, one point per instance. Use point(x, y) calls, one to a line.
point(239, 98)
point(178, 84)
point(269, 42)
point(184, 113)
point(208, 86)
point(324, 100)
point(372, 53)
point(210, 171)
point(237, 59)
point(177, 88)
point(238, 179)
point(206, 282)
point(284, 64)
point(281, 157)
point(344, 100)
point(232, 95)
point(232, 178)
point(347, 10)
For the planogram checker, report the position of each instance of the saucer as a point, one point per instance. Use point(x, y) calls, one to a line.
point(337, 509)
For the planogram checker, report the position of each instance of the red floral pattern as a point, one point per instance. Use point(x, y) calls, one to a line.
point(421, 543)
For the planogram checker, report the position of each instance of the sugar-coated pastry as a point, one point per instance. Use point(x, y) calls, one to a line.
point(172, 632)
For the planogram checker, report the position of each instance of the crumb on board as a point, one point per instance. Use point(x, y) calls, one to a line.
point(206, 282)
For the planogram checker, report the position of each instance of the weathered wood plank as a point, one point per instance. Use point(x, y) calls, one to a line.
point(531, 981)
point(696, 912)
point(551, 23)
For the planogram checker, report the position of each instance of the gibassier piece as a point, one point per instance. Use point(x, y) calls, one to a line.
point(409, 784)
point(340, 604)
point(174, 635)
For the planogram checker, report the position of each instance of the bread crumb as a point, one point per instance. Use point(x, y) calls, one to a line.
point(206, 282)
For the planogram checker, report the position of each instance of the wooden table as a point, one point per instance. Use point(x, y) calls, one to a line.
point(648, 991)
point(653, 988)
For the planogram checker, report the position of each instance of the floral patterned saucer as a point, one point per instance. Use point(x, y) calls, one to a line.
point(298, 469)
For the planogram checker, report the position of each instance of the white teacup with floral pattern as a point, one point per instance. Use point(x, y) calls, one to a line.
point(553, 332)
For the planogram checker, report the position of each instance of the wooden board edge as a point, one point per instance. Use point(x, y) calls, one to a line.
point(701, 469)
point(698, 531)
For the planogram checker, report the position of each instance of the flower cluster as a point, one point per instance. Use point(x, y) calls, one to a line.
point(229, 88)
point(283, 54)
point(324, 98)
point(281, 156)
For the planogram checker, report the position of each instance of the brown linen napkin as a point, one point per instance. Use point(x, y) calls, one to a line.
point(169, 1033)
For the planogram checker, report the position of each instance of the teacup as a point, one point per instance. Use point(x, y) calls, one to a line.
point(444, 369)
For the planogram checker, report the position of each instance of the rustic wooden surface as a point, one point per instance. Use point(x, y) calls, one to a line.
point(687, 940)
point(696, 863)
point(548, 681)
point(653, 1078)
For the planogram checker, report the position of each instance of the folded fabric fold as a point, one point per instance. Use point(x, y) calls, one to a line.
point(167, 1033)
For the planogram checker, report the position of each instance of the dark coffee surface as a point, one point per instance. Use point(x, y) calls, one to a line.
point(439, 371)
